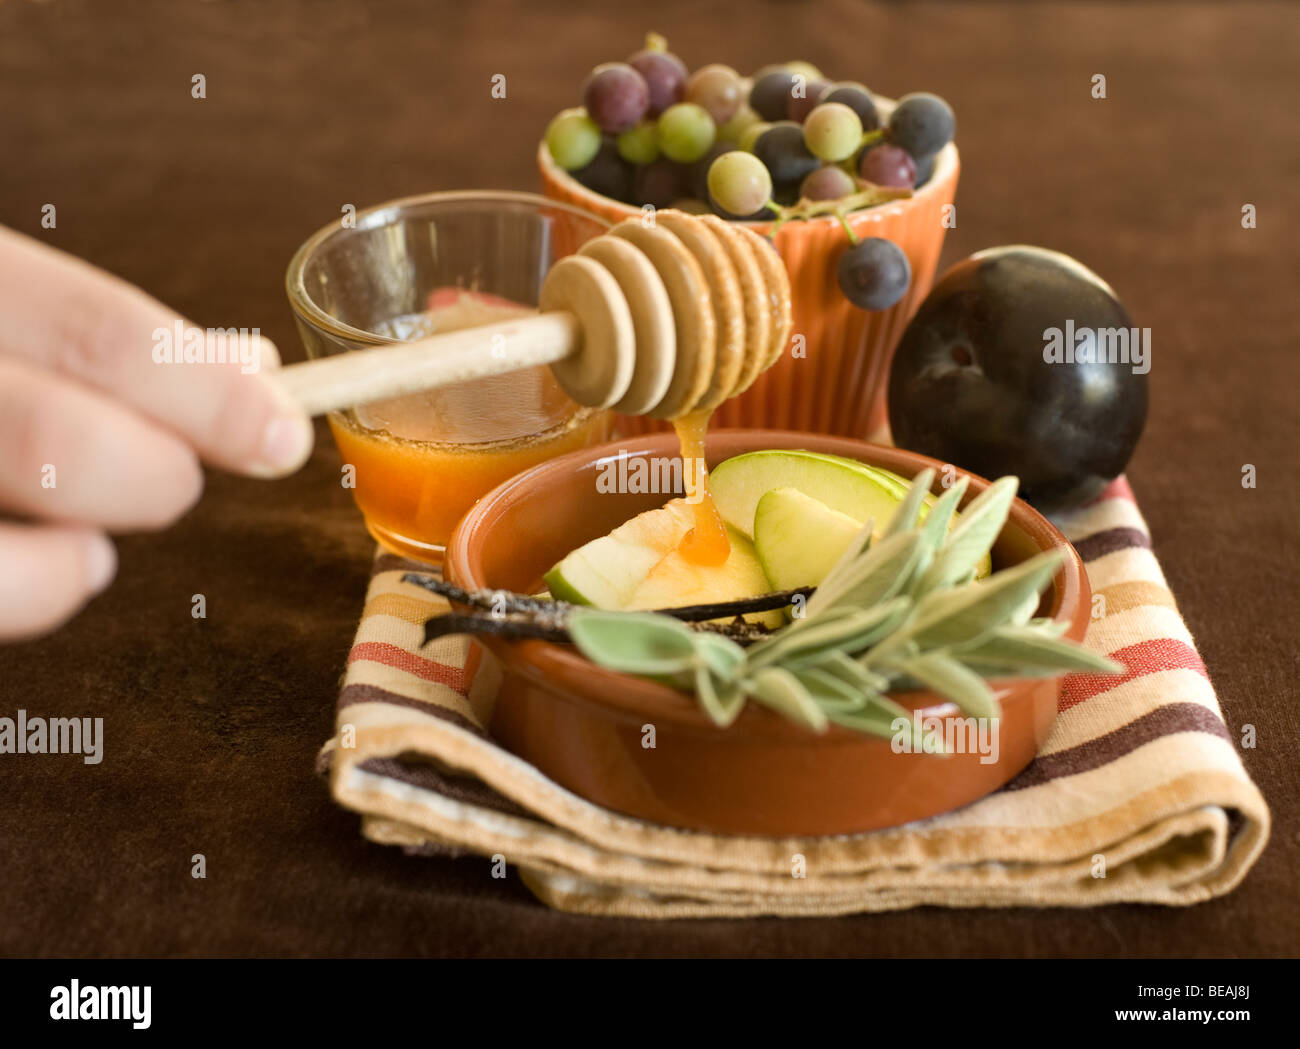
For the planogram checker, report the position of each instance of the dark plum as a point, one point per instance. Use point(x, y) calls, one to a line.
point(976, 380)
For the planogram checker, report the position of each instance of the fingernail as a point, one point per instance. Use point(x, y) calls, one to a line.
point(101, 562)
point(286, 443)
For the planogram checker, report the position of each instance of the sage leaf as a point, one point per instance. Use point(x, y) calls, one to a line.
point(841, 629)
point(633, 642)
point(851, 672)
point(878, 575)
point(943, 674)
point(720, 654)
point(906, 515)
point(721, 698)
point(829, 691)
point(934, 529)
point(779, 689)
point(954, 617)
point(1030, 649)
point(980, 524)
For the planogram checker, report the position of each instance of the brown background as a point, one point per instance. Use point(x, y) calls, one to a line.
point(212, 726)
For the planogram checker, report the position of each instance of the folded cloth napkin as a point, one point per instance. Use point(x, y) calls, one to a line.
point(1138, 794)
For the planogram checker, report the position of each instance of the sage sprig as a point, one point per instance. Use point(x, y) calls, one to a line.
point(898, 612)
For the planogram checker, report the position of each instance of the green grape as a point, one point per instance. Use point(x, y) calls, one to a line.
point(751, 135)
point(734, 128)
point(686, 131)
point(639, 145)
point(739, 183)
point(832, 132)
point(573, 139)
point(805, 69)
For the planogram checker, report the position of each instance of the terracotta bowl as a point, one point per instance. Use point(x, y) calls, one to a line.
point(584, 726)
point(837, 384)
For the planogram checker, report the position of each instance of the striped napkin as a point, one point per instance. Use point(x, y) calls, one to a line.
point(1138, 795)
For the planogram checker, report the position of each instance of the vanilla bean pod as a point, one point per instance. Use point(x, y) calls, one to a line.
point(504, 601)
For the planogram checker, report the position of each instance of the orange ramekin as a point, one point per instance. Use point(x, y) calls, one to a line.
point(839, 386)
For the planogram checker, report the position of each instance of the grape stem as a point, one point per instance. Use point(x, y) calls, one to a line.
point(868, 196)
point(870, 137)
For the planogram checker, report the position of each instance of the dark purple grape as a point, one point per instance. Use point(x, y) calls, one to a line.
point(659, 183)
point(616, 97)
point(608, 174)
point(874, 273)
point(922, 124)
point(782, 149)
point(924, 169)
point(857, 99)
point(665, 77)
point(797, 107)
point(887, 165)
point(770, 94)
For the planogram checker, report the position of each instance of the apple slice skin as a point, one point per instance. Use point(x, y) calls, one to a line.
point(799, 539)
point(843, 485)
point(606, 571)
point(637, 566)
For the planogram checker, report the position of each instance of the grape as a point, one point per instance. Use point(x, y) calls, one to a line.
point(771, 93)
point(665, 77)
point(616, 97)
point(686, 132)
point(751, 135)
point(782, 151)
point(697, 174)
point(734, 128)
point(718, 89)
point(608, 174)
point(803, 99)
point(828, 183)
point(887, 165)
point(858, 99)
point(763, 214)
point(874, 273)
point(739, 183)
point(805, 69)
point(572, 138)
point(922, 124)
point(832, 132)
point(924, 169)
point(659, 183)
point(639, 145)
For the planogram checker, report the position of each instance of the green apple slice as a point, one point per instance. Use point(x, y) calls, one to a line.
point(842, 485)
point(606, 571)
point(675, 582)
point(799, 539)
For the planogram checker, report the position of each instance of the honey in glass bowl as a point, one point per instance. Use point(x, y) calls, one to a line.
point(418, 266)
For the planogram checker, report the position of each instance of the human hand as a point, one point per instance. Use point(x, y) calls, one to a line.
point(97, 436)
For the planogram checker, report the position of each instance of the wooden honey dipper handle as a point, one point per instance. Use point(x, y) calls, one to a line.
point(584, 332)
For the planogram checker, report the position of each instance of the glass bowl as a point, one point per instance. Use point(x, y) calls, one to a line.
point(435, 262)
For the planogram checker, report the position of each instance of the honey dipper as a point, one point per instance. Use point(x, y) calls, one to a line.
point(660, 318)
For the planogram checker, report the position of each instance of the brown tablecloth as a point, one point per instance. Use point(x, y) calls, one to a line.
point(211, 726)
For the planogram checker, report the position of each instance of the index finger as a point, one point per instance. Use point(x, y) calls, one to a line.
point(207, 386)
